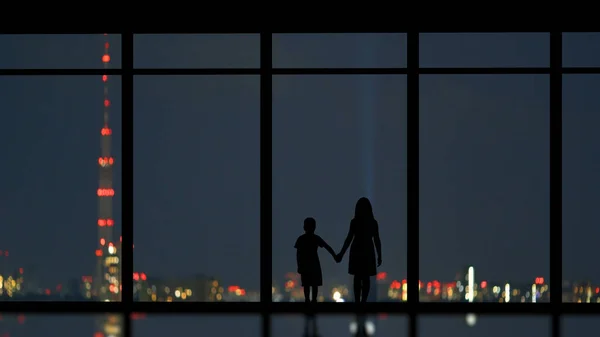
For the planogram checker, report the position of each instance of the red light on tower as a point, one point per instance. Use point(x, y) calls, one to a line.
point(101, 222)
point(105, 192)
point(104, 78)
point(110, 222)
point(105, 161)
point(106, 58)
point(106, 45)
point(98, 252)
point(106, 131)
point(106, 103)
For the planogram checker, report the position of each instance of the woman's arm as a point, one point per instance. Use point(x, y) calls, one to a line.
point(348, 240)
point(377, 242)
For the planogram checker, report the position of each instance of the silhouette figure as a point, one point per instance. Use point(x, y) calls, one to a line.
point(307, 257)
point(364, 231)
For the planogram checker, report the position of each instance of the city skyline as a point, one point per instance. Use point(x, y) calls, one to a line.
point(197, 147)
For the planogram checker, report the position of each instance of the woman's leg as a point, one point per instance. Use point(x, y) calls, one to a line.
point(306, 293)
point(366, 286)
point(315, 292)
point(357, 288)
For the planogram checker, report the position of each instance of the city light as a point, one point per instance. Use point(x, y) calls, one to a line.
point(105, 161)
point(106, 192)
point(106, 222)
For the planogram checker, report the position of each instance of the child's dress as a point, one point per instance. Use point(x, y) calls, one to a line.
point(309, 265)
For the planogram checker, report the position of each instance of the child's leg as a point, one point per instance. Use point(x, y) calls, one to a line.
point(315, 292)
point(306, 293)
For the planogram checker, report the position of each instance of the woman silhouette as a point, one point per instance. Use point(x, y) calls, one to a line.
point(364, 231)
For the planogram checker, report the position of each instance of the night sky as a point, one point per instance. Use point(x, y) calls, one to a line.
point(483, 164)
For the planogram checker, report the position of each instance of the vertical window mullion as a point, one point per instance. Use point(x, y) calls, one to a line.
point(556, 180)
point(266, 190)
point(127, 181)
point(412, 198)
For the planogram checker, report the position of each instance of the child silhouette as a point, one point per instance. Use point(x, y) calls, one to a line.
point(307, 257)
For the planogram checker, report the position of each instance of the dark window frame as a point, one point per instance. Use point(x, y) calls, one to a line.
point(555, 309)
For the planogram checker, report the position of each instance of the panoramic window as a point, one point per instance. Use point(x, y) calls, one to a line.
point(237, 177)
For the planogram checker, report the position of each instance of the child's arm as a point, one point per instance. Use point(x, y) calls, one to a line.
point(328, 248)
point(298, 260)
point(297, 245)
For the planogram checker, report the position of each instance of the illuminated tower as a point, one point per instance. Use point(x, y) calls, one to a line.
point(107, 285)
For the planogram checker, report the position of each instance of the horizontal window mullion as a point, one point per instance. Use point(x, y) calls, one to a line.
point(296, 71)
point(427, 308)
point(60, 72)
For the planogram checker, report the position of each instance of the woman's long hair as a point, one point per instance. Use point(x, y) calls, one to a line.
point(363, 210)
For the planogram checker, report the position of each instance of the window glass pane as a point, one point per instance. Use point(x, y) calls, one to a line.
point(484, 50)
point(338, 325)
point(63, 167)
point(345, 50)
point(17, 325)
point(472, 325)
point(197, 50)
point(69, 51)
point(580, 188)
point(335, 140)
point(484, 186)
point(198, 325)
point(196, 171)
point(581, 49)
point(573, 326)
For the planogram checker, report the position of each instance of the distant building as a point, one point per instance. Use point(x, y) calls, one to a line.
point(197, 288)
